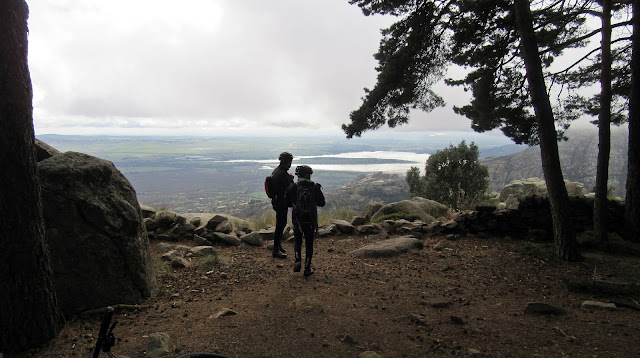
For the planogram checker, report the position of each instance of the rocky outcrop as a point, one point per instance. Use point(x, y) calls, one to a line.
point(518, 190)
point(98, 243)
point(44, 151)
point(417, 208)
point(376, 187)
point(577, 156)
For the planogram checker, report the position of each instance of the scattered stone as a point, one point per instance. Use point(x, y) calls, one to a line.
point(596, 305)
point(179, 262)
point(163, 247)
point(474, 352)
point(369, 354)
point(543, 308)
point(225, 227)
point(253, 239)
point(343, 226)
point(418, 319)
point(309, 304)
point(358, 220)
point(201, 241)
point(226, 239)
point(458, 320)
point(223, 313)
point(170, 255)
point(202, 250)
point(158, 345)
point(440, 304)
point(387, 248)
point(216, 220)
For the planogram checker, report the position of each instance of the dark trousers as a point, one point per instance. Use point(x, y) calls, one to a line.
point(308, 231)
point(281, 222)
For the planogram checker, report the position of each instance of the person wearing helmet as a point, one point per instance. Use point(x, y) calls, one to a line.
point(281, 179)
point(306, 196)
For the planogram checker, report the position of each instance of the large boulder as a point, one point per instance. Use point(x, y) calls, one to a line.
point(94, 228)
point(424, 209)
point(44, 151)
point(513, 193)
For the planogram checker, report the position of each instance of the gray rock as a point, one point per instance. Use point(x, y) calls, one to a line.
point(163, 247)
point(370, 209)
point(151, 224)
point(254, 239)
point(196, 221)
point(596, 305)
point(424, 209)
point(166, 218)
point(343, 226)
point(369, 354)
point(369, 229)
point(202, 250)
point(387, 248)
point(226, 239)
point(223, 313)
point(159, 345)
point(201, 241)
point(225, 227)
point(147, 211)
point(170, 255)
point(180, 262)
point(358, 220)
point(95, 233)
point(216, 220)
point(44, 151)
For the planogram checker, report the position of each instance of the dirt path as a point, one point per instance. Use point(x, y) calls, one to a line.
point(453, 298)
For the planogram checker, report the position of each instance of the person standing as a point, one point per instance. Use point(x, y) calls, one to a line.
point(281, 181)
point(306, 196)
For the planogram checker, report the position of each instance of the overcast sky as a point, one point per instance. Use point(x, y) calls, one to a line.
point(210, 67)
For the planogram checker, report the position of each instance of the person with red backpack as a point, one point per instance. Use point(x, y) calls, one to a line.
point(306, 196)
point(277, 184)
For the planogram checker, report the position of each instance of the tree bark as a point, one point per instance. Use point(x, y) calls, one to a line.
point(28, 312)
point(632, 199)
point(563, 228)
point(600, 204)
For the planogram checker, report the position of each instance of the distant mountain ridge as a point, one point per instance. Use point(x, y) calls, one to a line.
point(578, 157)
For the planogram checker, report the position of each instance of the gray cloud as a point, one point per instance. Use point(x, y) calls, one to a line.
point(205, 64)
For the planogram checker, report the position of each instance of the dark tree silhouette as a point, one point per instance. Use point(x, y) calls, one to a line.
point(28, 312)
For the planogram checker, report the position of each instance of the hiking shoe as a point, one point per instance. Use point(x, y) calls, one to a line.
point(283, 250)
point(297, 266)
point(308, 271)
point(279, 255)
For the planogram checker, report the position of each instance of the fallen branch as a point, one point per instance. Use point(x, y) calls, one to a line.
point(115, 307)
point(602, 287)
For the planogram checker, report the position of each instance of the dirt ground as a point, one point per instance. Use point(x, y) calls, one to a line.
point(453, 298)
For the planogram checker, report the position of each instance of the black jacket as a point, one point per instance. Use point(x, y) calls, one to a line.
point(281, 181)
point(318, 196)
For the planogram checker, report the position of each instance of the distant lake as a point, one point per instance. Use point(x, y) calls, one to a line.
point(364, 162)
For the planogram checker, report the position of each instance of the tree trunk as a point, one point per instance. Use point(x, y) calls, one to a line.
point(563, 228)
point(632, 199)
point(600, 204)
point(28, 312)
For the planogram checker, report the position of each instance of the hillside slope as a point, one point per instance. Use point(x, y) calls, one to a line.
point(578, 157)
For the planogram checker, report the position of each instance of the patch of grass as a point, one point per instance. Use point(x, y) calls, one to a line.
point(614, 245)
point(397, 216)
point(326, 216)
point(264, 220)
point(209, 261)
point(159, 267)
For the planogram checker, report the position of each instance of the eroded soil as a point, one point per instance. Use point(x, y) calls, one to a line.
point(453, 298)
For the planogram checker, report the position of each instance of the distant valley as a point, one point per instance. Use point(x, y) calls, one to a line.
point(225, 174)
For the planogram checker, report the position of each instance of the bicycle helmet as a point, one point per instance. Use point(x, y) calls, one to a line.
point(304, 171)
point(285, 156)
